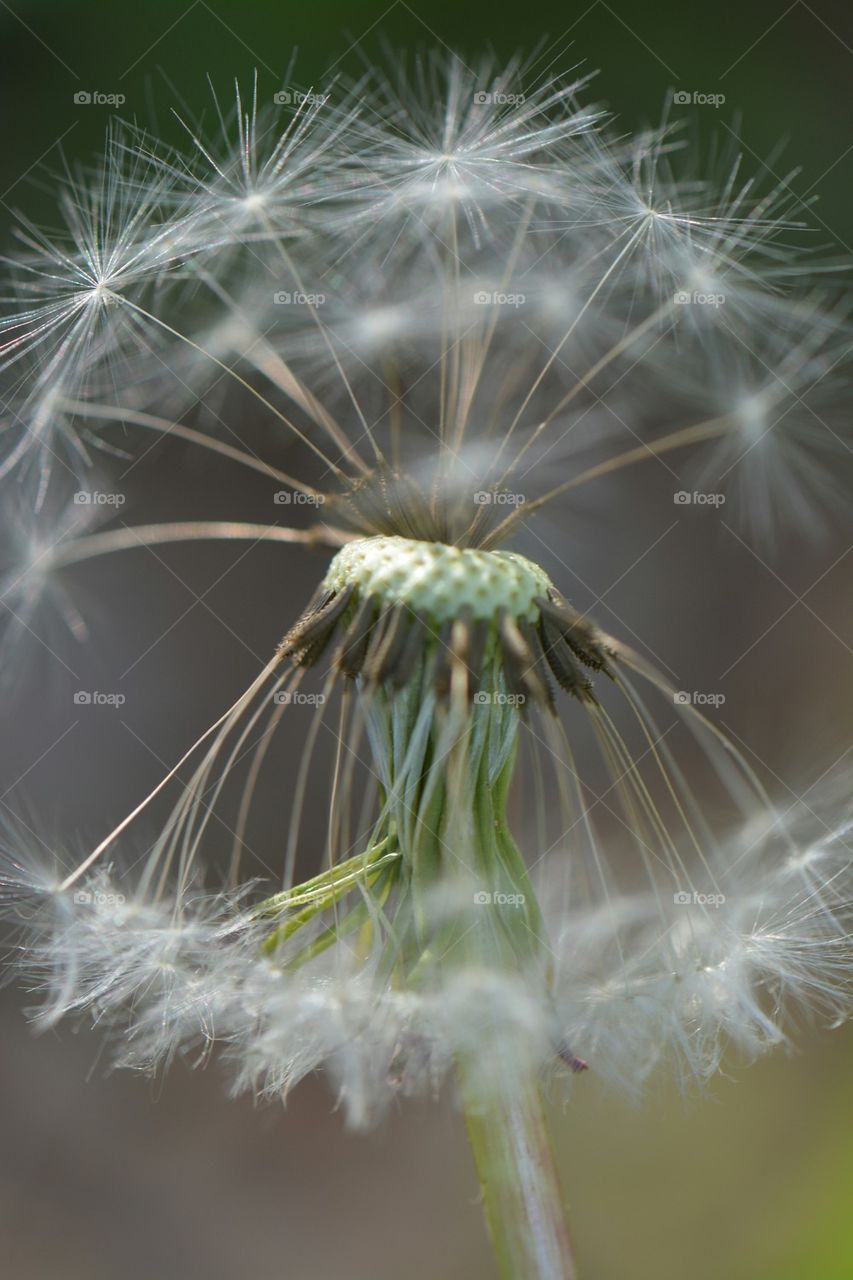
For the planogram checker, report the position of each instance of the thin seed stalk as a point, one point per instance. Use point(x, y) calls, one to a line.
point(505, 1116)
point(522, 1198)
point(501, 1098)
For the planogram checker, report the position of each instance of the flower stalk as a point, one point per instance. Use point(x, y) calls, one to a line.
point(522, 1197)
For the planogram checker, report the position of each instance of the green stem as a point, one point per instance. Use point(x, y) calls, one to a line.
point(453, 831)
point(523, 1202)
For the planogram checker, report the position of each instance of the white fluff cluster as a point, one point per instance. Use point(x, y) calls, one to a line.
point(711, 972)
point(635, 981)
point(165, 978)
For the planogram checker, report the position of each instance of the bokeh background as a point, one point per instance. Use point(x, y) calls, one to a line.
point(105, 1176)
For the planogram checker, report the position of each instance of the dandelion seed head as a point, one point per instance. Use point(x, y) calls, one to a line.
point(449, 300)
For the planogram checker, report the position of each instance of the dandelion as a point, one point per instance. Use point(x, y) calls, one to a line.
point(456, 304)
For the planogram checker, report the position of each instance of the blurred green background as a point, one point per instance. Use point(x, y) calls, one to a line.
point(108, 1177)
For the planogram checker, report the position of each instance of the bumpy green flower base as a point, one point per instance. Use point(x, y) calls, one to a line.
point(440, 581)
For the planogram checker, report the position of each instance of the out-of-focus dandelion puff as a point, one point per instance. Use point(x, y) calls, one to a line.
point(78, 293)
point(267, 170)
point(450, 303)
point(39, 614)
point(447, 144)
